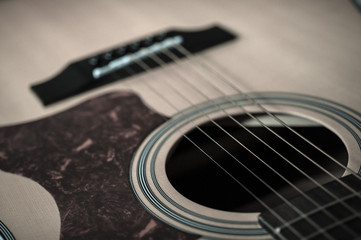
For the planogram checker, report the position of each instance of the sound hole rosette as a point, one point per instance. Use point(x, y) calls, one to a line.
point(155, 192)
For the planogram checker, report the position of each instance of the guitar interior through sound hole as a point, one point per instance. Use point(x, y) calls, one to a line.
point(199, 179)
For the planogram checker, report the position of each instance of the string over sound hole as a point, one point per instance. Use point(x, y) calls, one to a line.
point(199, 179)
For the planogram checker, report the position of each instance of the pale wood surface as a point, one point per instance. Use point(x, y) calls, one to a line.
point(309, 46)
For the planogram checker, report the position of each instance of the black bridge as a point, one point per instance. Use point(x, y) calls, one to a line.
point(121, 62)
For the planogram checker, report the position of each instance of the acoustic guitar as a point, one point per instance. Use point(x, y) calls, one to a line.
point(249, 128)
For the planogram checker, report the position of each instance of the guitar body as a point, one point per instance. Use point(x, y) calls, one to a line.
point(94, 166)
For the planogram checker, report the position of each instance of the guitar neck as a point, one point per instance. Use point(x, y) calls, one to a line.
point(338, 199)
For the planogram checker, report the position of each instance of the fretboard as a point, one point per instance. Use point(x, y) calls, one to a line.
point(336, 214)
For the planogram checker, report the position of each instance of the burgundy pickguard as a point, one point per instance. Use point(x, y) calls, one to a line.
point(82, 157)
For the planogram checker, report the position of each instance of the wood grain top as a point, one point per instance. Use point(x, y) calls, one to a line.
point(309, 46)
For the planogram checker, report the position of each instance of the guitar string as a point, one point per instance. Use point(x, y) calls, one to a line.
point(275, 117)
point(224, 130)
point(355, 193)
point(175, 59)
point(145, 67)
point(158, 63)
point(226, 80)
point(285, 200)
point(161, 63)
point(282, 220)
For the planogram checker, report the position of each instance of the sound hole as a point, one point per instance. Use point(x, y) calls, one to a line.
point(199, 179)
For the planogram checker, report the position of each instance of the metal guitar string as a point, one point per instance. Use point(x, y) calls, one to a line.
point(161, 63)
point(211, 70)
point(230, 116)
point(222, 168)
point(175, 59)
point(147, 68)
point(285, 224)
point(208, 69)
